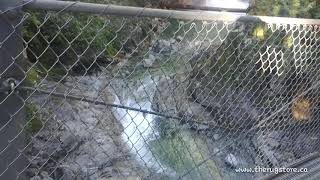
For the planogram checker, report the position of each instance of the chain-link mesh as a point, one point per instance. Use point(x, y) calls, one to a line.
point(112, 97)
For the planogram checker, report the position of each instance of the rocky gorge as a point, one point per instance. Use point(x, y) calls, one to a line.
point(221, 103)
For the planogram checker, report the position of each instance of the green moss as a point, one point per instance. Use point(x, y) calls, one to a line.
point(168, 65)
point(111, 50)
point(33, 76)
point(34, 124)
point(184, 151)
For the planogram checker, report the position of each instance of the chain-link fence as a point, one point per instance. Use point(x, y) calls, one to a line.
point(91, 91)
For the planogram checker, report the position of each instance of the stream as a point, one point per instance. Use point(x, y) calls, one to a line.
point(158, 143)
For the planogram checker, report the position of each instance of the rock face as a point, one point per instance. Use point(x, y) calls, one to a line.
point(213, 88)
point(279, 147)
point(273, 148)
point(229, 110)
point(238, 84)
point(172, 99)
point(306, 143)
point(149, 62)
point(231, 160)
point(235, 85)
point(84, 138)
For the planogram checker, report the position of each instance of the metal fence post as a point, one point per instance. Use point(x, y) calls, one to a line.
point(12, 113)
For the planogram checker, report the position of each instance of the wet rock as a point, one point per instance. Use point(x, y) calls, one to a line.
point(179, 38)
point(231, 160)
point(306, 143)
point(268, 155)
point(36, 178)
point(217, 151)
point(172, 41)
point(216, 136)
point(149, 62)
point(174, 92)
point(79, 135)
point(273, 139)
point(45, 175)
point(31, 171)
point(162, 46)
point(221, 81)
point(172, 99)
point(274, 147)
point(203, 127)
point(231, 108)
point(165, 43)
point(175, 48)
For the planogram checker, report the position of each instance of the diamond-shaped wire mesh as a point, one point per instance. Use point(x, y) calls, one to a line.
point(112, 97)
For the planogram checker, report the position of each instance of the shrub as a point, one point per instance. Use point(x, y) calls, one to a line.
point(63, 42)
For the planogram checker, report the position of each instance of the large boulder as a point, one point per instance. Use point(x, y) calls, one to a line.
point(172, 98)
point(217, 89)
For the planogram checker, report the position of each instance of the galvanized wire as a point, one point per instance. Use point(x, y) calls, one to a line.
point(126, 92)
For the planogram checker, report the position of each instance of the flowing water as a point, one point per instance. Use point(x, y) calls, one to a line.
point(159, 143)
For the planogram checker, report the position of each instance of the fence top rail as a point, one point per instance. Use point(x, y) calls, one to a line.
point(108, 9)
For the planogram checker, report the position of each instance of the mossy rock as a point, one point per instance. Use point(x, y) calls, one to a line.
point(33, 77)
point(34, 123)
point(183, 152)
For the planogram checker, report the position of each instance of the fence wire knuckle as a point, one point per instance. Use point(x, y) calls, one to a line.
point(95, 91)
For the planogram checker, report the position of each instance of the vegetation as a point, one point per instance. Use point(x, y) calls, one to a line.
point(59, 42)
point(65, 43)
point(33, 77)
point(34, 124)
point(287, 8)
point(122, 2)
point(182, 152)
